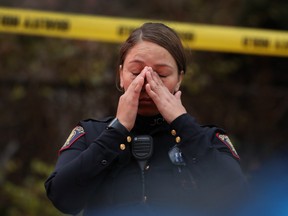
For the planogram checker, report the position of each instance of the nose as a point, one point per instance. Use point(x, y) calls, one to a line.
point(143, 87)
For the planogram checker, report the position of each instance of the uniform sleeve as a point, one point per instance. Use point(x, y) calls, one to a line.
point(81, 167)
point(211, 157)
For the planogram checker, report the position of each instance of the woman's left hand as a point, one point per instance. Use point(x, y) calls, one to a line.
point(168, 104)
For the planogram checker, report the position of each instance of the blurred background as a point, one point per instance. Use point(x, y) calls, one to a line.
point(48, 84)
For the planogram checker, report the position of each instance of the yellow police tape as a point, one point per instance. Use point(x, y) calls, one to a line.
point(113, 29)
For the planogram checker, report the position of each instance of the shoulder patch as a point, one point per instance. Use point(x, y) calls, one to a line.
point(76, 133)
point(225, 139)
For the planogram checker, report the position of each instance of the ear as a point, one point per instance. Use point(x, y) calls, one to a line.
point(121, 76)
point(180, 78)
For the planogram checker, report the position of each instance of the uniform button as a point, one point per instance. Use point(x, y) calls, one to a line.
point(122, 147)
point(104, 162)
point(147, 167)
point(178, 139)
point(173, 132)
point(129, 139)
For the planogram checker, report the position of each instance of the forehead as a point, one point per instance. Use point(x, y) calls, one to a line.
point(149, 53)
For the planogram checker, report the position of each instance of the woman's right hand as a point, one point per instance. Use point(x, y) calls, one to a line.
point(128, 102)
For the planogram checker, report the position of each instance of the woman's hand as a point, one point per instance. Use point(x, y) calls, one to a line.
point(168, 104)
point(128, 102)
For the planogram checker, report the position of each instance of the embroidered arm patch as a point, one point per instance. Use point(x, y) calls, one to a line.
point(76, 133)
point(225, 139)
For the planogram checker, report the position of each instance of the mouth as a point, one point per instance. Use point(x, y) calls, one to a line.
point(145, 100)
point(147, 106)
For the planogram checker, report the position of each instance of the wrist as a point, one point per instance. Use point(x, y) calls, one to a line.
point(172, 118)
point(116, 124)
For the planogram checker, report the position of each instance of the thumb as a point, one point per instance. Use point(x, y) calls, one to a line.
point(178, 95)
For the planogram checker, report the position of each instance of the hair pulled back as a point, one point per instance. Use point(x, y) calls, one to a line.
point(160, 34)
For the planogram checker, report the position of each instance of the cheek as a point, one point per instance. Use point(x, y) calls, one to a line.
point(170, 85)
point(126, 81)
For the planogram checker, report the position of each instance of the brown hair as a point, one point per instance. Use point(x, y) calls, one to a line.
point(160, 34)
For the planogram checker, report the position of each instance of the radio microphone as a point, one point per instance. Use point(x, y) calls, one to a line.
point(142, 149)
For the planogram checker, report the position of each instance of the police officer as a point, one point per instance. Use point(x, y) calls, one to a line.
point(153, 154)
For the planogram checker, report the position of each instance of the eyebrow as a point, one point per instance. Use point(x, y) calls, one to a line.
point(136, 61)
point(156, 65)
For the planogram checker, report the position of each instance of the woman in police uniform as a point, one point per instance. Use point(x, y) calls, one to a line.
point(152, 154)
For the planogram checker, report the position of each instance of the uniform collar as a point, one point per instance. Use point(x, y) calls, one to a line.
point(148, 124)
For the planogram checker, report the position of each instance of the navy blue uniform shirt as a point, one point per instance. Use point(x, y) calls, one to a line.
point(97, 173)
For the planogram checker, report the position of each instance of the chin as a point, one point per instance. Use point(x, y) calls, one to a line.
point(148, 111)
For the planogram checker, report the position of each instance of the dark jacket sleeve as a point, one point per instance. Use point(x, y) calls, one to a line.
point(81, 168)
point(213, 161)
